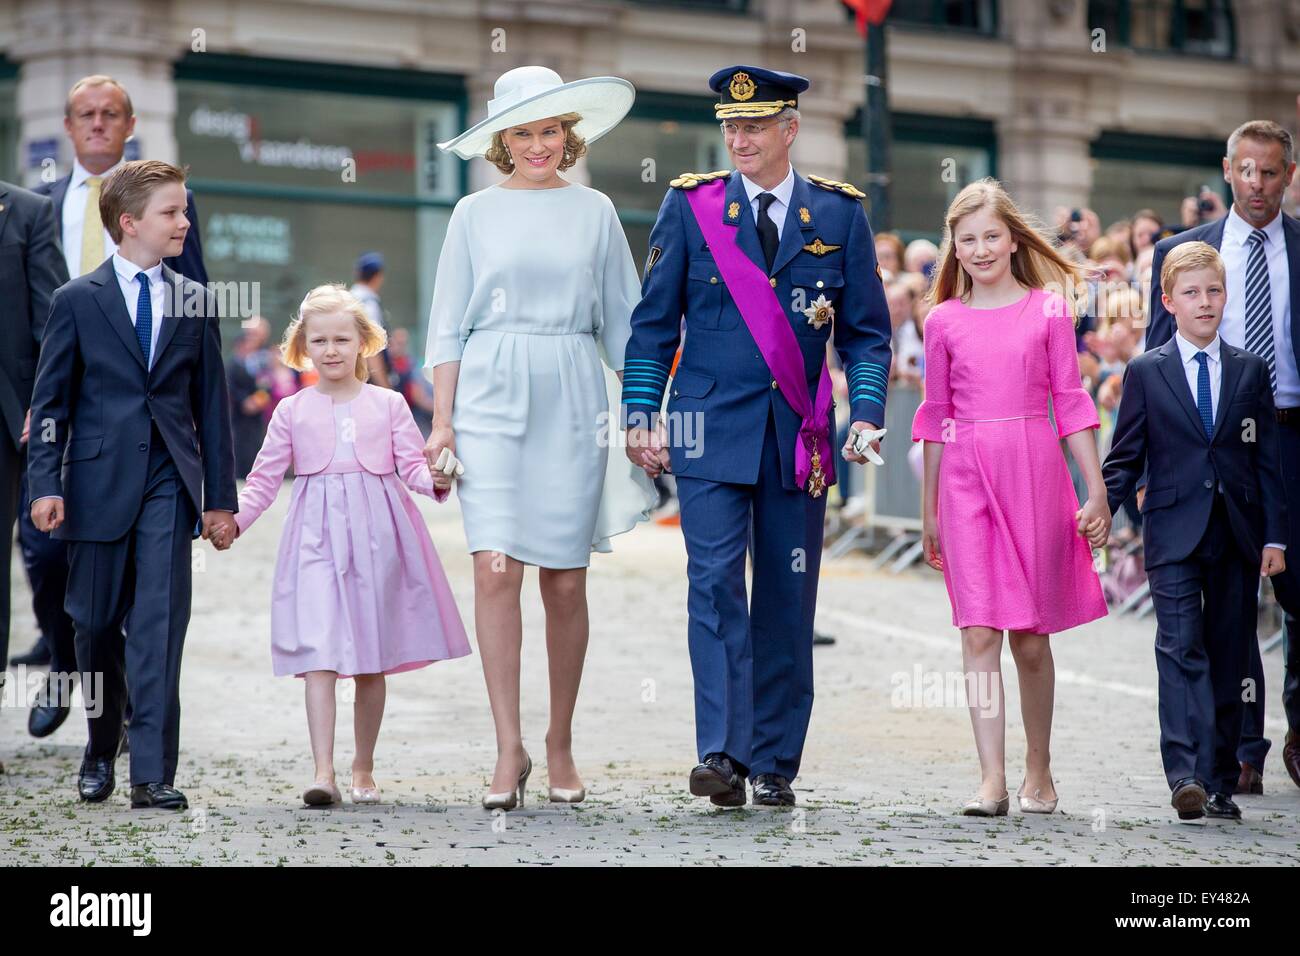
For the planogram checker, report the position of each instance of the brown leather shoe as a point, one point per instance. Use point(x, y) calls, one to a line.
point(1250, 781)
point(1291, 755)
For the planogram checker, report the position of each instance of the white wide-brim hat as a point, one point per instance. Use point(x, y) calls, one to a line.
point(527, 94)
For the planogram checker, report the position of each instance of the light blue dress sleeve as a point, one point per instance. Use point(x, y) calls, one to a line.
point(452, 291)
point(620, 291)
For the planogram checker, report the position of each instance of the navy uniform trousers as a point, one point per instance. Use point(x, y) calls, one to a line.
point(752, 660)
point(147, 573)
point(1205, 627)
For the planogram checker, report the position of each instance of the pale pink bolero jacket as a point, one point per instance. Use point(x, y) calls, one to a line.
point(302, 431)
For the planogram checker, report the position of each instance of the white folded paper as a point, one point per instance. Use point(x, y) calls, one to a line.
point(449, 464)
point(862, 443)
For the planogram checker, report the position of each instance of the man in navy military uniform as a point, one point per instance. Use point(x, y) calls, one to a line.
point(766, 266)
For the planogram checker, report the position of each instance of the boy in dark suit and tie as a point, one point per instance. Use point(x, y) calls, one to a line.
point(1197, 414)
point(130, 442)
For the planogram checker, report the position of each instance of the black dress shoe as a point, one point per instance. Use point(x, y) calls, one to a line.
point(46, 717)
point(95, 783)
point(1221, 807)
point(772, 790)
point(160, 796)
point(38, 656)
point(1189, 799)
point(717, 779)
point(820, 637)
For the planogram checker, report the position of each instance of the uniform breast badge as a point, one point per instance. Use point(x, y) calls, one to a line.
point(742, 87)
point(819, 248)
point(820, 312)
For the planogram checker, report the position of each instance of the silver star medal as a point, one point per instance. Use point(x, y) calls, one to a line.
point(862, 443)
point(820, 312)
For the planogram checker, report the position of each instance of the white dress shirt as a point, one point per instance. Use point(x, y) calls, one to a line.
point(1192, 368)
point(126, 281)
point(74, 216)
point(777, 210)
point(1236, 257)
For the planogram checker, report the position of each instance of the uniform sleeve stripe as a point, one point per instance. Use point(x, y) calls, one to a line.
point(650, 362)
point(647, 391)
point(640, 401)
point(867, 393)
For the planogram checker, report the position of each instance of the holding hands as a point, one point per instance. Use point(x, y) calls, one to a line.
point(219, 527)
point(1094, 521)
point(648, 450)
point(440, 453)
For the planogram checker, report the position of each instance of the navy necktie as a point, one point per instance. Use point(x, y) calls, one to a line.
point(1204, 400)
point(144, 317)
point(767, 234)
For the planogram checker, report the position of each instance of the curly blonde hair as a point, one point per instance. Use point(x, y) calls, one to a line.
point(575, 147)
point(332, 299)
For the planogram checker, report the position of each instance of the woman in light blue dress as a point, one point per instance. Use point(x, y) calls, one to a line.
point(533, 298)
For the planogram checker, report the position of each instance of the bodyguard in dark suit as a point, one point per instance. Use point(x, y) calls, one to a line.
point(1197, 416)
point(1260, 246)
point(31, 268)
point(762, 263)
point(131, 442)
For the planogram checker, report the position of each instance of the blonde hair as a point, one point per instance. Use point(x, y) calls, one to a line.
point(1036, 263)
point(332, 299)
point(1186, 257)
point(575, 147)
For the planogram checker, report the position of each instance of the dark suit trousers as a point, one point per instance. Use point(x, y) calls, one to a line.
point(1254, 745)
point(12, 463)
point(46, 560)
point(145, 573)
point(1205, 626)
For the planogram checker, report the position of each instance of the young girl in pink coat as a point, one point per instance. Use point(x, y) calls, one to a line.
point(1000, 517)
point(358, 588)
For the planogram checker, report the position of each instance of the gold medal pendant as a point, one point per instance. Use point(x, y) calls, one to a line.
point(817, 480)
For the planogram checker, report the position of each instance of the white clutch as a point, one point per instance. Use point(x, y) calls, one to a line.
point(862, 443)
point(449, 464)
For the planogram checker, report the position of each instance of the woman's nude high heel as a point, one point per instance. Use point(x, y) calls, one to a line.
point(511, 798)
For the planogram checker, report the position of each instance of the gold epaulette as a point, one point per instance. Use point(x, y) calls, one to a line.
point(835, 186)
point(691, 180)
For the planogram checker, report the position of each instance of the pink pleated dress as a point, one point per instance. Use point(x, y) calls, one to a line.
point(358, 585)
point(1012, 555)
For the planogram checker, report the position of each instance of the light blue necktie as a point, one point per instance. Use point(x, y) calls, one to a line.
point(144, 317)
point(1204, 400)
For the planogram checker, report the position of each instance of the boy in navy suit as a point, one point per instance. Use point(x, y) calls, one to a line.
point(1198, 415)
point(130, 442)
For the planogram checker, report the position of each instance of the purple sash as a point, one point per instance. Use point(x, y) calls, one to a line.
point(756, 299)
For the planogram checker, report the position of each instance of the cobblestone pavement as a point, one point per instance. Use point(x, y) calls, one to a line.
point(880, 782)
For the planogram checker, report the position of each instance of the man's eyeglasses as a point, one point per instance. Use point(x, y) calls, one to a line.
point(751, 130)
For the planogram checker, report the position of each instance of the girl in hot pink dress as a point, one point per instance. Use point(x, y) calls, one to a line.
point(1000, 517)
point(358, 589)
